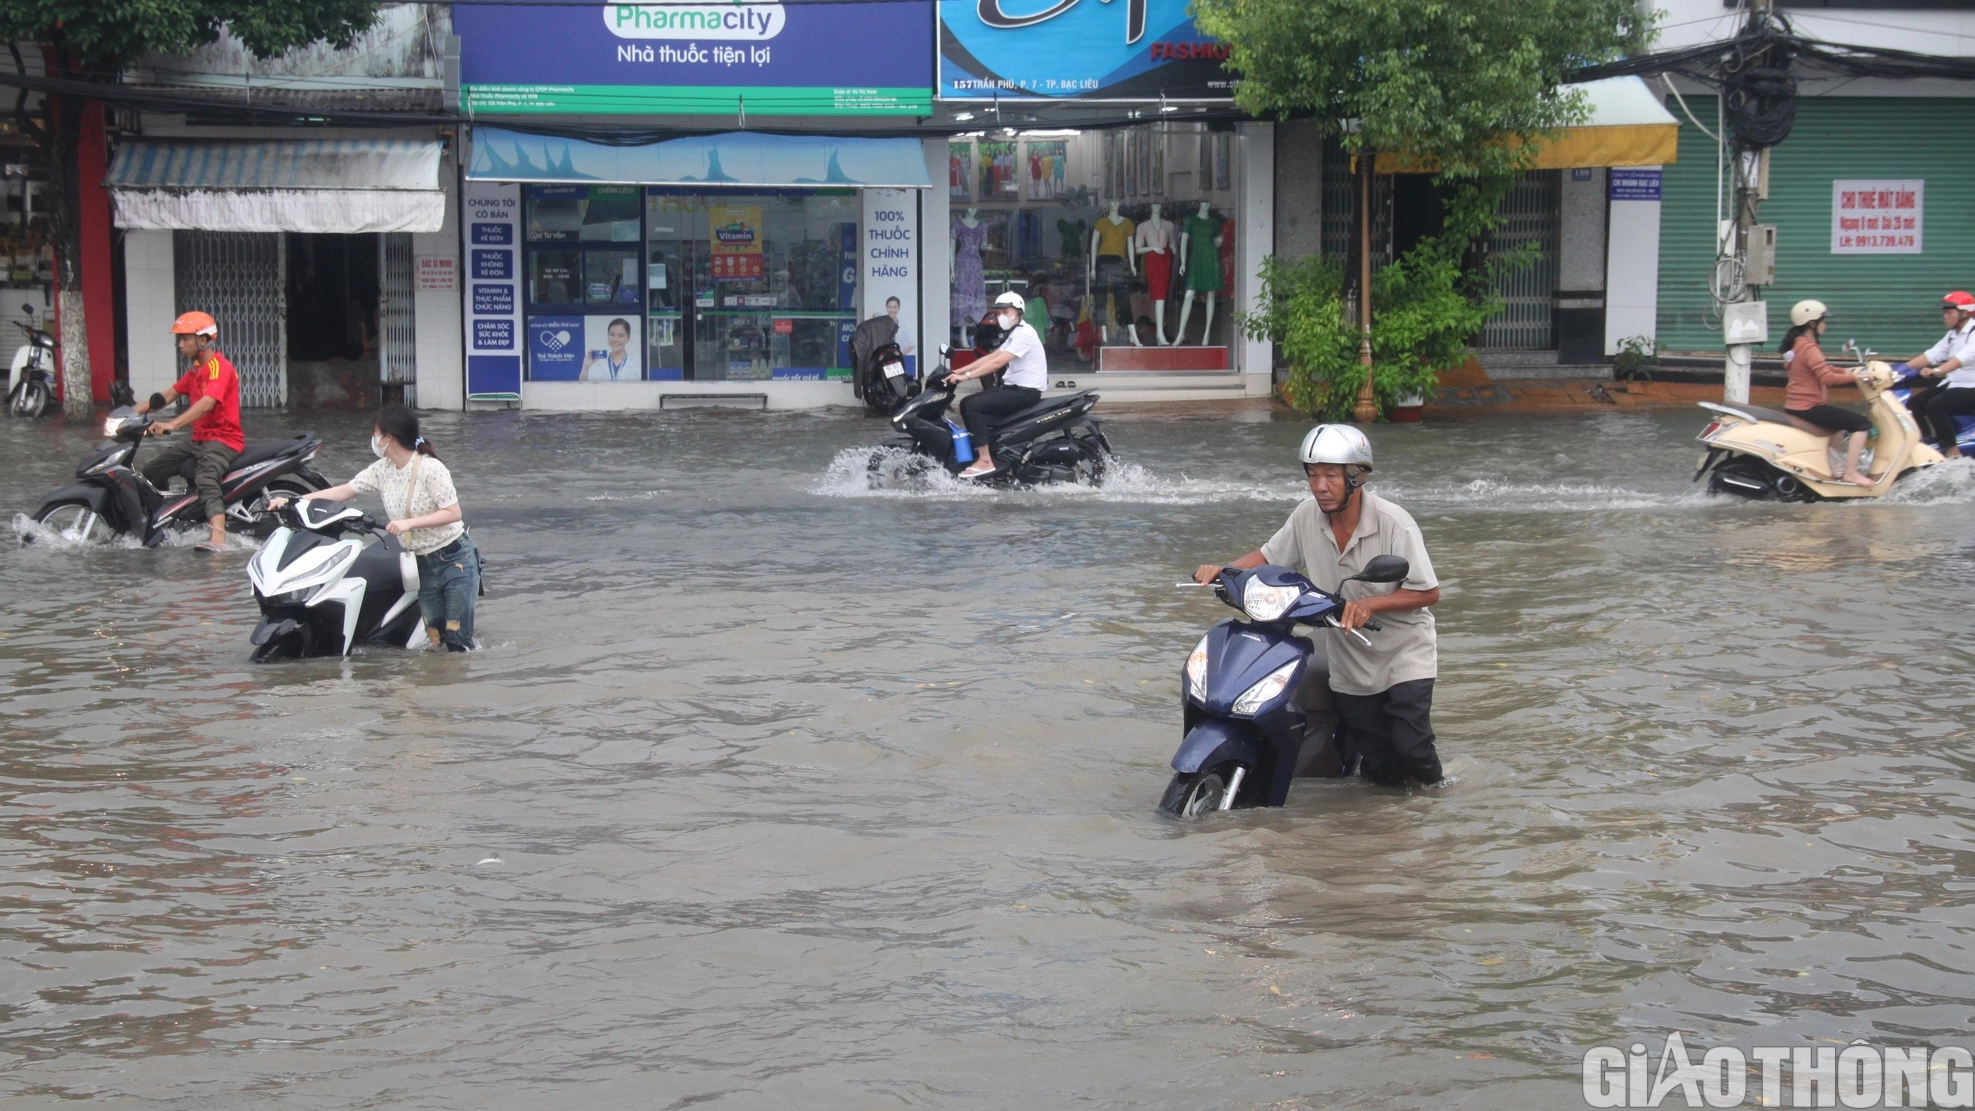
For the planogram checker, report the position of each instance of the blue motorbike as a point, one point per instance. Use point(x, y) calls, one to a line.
point(1255, 699)
point(1910, 383)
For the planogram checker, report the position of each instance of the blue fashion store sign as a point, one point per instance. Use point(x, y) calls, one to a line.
point(1077, 48)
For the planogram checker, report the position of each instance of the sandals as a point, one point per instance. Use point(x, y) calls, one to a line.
point(208, 547)
point(983, 473)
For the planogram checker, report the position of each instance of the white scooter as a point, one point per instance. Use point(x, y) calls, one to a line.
point(31, 380)
point(322, 590)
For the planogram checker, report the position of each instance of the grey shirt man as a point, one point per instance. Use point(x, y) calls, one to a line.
point(1404, 649)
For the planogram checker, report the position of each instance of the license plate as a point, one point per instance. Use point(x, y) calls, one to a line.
point(893, 370)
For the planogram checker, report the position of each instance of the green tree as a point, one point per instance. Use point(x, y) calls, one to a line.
point(95, 40)
point(1466, 89)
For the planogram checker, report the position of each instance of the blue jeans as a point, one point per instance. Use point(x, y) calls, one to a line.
point(448, 586)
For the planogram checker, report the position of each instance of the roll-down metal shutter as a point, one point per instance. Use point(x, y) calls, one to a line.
point(237, 276)
point(1886, 302)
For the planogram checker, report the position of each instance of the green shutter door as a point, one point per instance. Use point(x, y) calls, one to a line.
point(1885, 301)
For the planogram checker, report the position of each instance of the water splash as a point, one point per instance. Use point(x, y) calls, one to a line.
point(853, 474)
point(32, 533)
point(1949, 483)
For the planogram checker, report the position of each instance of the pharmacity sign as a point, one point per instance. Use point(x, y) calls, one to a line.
point(765, 59)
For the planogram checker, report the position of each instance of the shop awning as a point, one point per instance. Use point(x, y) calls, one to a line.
point(312, 185)
point(1628, 126)
point(740, 158)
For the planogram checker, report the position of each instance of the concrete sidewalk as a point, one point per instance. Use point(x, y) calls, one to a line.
point(1471, 389)
point(1564, 395)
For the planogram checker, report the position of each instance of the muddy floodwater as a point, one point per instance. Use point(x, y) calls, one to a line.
point(769, 791)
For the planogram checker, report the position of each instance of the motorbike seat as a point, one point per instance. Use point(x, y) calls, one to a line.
point(268, 449)
point(1046, 405)
point(1770, 416)
point(256, 453)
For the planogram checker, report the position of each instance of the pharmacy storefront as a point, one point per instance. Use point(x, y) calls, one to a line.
point(728, 253)
point(612, 276)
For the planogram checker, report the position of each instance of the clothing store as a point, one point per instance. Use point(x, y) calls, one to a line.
point(1133, 245)
point(1110, 246)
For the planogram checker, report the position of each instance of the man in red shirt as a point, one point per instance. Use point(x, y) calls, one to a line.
point(214, 389)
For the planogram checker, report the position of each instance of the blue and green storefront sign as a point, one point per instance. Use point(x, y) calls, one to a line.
point(721, 58)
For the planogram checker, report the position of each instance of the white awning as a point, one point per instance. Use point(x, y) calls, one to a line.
point(346, 186)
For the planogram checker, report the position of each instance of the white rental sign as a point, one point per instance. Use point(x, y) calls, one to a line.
point(1877, 217)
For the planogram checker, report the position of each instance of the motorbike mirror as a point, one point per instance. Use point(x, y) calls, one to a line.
point(945, 349)
point(1383, 569)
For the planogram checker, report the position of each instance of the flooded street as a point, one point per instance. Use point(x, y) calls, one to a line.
point(771, 791)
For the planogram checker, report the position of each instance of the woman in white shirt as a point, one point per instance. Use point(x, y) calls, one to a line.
point(1028, 372)
point(417, 491)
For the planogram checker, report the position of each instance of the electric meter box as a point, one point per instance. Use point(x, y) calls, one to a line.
point(1760, 265)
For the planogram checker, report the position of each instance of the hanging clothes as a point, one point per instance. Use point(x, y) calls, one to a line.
point(969, 280)
point(1227, 256)
point(1073, 233)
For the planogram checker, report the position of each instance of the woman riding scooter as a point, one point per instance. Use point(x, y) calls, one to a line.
point(1022, 356)
point(1811, 378)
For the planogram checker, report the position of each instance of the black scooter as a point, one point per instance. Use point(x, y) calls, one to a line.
point(1054, 440)
point(1246, 736)
point(883, 382)
point(111, 497)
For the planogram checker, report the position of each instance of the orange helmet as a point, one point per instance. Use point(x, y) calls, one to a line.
point(195, 324)
point(1959, 301)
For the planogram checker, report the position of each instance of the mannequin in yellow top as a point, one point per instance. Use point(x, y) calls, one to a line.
point(1113, 263)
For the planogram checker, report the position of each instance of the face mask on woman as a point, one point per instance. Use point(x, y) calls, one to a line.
point(377, 446)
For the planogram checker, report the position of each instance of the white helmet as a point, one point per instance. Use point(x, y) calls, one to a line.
point(1337, 443)
point(1803, 312)
point(1010, 300)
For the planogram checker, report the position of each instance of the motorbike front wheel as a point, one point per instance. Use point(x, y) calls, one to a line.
point(30, 399)
point(288, 646)
point(1192, 794)
point(75, 522)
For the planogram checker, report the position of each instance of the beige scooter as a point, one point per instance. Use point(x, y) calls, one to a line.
point(1768, 454)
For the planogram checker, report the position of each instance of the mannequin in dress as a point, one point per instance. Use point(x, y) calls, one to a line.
point(1155, 246)
point(1200, 265)
point(1113, 263)
point(968, 281)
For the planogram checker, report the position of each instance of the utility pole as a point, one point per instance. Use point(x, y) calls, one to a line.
point(1744, 318)
point(1366, 409)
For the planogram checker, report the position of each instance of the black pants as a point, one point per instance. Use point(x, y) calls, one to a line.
point(1114, 278)
point(1391, 732)
point(1936, 408)
point(210, 459)
point(1832, 418)
point(983, 411)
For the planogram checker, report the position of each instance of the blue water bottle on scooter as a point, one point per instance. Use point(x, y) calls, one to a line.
point(963, 443)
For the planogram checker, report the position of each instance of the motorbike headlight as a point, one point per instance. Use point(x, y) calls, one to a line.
point(289, 597)
point(110, 427)
point(1266, 603)
point(1196, 672)
point(1264, 692)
